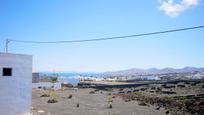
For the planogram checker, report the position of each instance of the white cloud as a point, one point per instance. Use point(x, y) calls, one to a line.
point(173, 9)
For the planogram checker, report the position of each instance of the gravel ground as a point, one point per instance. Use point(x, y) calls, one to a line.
point(89, 104)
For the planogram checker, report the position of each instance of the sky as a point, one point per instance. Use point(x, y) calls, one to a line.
point(57, 20)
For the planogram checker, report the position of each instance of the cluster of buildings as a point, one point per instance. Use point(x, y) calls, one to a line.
point(91, 78)
point(118, 78)
point(150, 77)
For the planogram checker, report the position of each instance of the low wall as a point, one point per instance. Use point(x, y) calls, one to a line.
point(46, 85)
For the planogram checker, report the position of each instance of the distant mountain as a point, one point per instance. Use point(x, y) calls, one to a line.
point(136, 71)
point(71, 74)
point(128, 72)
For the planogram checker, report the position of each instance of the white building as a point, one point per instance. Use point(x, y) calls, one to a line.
point(15, 84)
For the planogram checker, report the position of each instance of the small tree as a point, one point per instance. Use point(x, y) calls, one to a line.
point(54, 79)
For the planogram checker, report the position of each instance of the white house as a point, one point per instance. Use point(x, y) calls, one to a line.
point(15, 84)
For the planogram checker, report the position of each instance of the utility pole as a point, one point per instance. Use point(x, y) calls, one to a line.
point(7, 45)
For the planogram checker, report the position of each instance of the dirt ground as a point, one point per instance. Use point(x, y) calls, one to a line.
point(89, 104)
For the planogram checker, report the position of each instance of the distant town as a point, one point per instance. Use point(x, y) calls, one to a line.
point(131, 75)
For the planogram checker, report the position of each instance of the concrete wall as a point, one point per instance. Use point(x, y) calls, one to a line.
point(15, 90)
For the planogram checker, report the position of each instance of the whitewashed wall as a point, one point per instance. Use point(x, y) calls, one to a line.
point(47, 85)
point(15, 90)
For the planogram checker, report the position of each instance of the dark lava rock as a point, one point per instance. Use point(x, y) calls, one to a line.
point(158, 108)
point(77, 105)
point(45, 95)
point(91, 92)
point(142, 104)
point(52, 101)
point(167, 112)
point(70, 96)
point(110, 106)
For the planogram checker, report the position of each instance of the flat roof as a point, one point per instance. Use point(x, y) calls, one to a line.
point(3, 53)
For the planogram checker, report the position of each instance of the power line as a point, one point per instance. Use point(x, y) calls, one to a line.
point(111, 38)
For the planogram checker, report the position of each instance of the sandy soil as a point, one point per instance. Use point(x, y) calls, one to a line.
point(89, 104)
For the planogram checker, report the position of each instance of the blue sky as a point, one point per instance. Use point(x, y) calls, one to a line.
point(54, 20)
